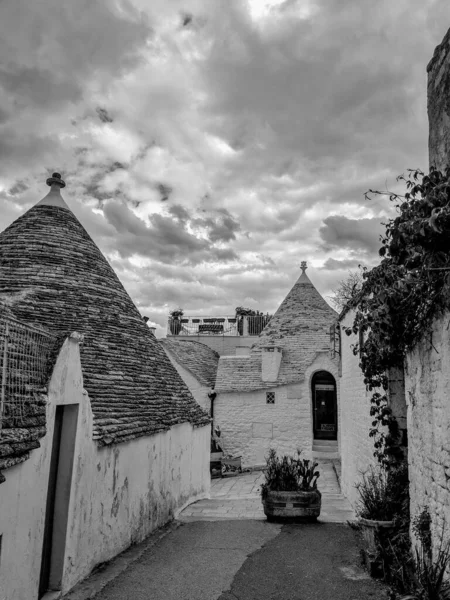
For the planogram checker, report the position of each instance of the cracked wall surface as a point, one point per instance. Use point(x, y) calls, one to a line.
point(119, 493)
point(427, 384)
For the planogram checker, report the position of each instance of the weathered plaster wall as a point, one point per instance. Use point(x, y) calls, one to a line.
point(427, 384)
point(199, 391)
point(439, 105)
point(250, 426)
point(23, 494)
point(119, 494)
point(225, 345)
point(356, 445)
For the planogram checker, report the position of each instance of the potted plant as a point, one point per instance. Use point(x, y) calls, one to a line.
point(175, 320)
point(376, 509)
point(255, 325)
point(290, 489)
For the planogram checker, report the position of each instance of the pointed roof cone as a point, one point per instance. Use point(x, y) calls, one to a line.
point(53, 275)
point(54, 198)
point(300, 326)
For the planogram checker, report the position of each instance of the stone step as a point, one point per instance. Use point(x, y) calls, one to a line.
point(325, 443)
point(318, 455)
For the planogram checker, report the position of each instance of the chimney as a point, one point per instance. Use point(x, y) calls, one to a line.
point(271, 361)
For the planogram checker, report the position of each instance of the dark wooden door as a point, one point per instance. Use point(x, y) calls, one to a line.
point(50, 508)
point(324, 406)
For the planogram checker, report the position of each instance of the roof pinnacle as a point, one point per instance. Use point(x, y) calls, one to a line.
point(303, 266)
point(55, 179)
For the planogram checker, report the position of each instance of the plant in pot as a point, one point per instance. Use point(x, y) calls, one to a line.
point(175, 320)
point(378, 507)
point(290, 488)
point(240, 313)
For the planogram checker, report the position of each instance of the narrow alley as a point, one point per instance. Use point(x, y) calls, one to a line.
point(223, 548)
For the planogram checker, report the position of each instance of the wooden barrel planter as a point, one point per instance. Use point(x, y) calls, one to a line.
point(371, 530)
point(298, 506)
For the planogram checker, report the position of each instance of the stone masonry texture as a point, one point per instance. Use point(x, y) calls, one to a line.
point(250, 426)
point(427, 384)
point(53, 275)
point(439, 105)
point(300, 326)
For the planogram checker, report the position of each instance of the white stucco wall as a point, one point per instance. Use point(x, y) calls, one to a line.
point(356, 445)
point(119, 494)
point(427, 384)
point(199, 391)
point(250, 426)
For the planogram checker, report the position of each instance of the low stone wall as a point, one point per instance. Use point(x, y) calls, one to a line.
point(427, 384)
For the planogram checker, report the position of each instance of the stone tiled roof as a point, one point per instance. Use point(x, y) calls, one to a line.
point(301, 326)
point(240, 374)
point(199, 359)
point(52, 274)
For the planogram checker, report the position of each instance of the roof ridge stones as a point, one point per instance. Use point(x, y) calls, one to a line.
point(133, 387)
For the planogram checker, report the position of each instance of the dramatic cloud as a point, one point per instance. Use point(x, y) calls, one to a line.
point(357, 234)
point(209, 147)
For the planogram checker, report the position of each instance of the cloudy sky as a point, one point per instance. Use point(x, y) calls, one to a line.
point(209, 146)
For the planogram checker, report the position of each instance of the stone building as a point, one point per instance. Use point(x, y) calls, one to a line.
point(283, 392)
point(116, 445)
point(438, 105)
point(197, 365)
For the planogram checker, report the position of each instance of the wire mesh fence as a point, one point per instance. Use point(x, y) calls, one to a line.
point(24, 355)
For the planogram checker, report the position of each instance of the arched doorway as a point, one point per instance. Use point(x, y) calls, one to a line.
point(324, 405)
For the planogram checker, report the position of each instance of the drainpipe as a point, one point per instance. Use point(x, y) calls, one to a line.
point(212, 395)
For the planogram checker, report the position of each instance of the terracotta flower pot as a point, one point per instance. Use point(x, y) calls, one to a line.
point(299, 506)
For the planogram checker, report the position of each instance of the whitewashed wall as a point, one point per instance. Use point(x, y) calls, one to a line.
point(427, 384)
point(250, 426)
point(356, 446)
point(119, 494)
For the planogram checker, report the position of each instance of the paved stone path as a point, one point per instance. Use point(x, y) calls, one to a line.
point(239, 498)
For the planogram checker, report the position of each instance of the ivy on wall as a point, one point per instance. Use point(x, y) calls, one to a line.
point(400, 297)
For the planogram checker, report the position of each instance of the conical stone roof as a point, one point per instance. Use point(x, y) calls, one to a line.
point(301, 327)
point(53, 275)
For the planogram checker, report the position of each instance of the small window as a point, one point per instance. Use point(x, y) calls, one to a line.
point(270, 397)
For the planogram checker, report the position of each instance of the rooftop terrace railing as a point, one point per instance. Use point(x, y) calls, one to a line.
point(228, 326)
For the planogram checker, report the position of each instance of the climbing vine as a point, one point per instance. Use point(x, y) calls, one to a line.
point(400, 297)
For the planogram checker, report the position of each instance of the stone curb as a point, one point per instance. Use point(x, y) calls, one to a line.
point(105, 573)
